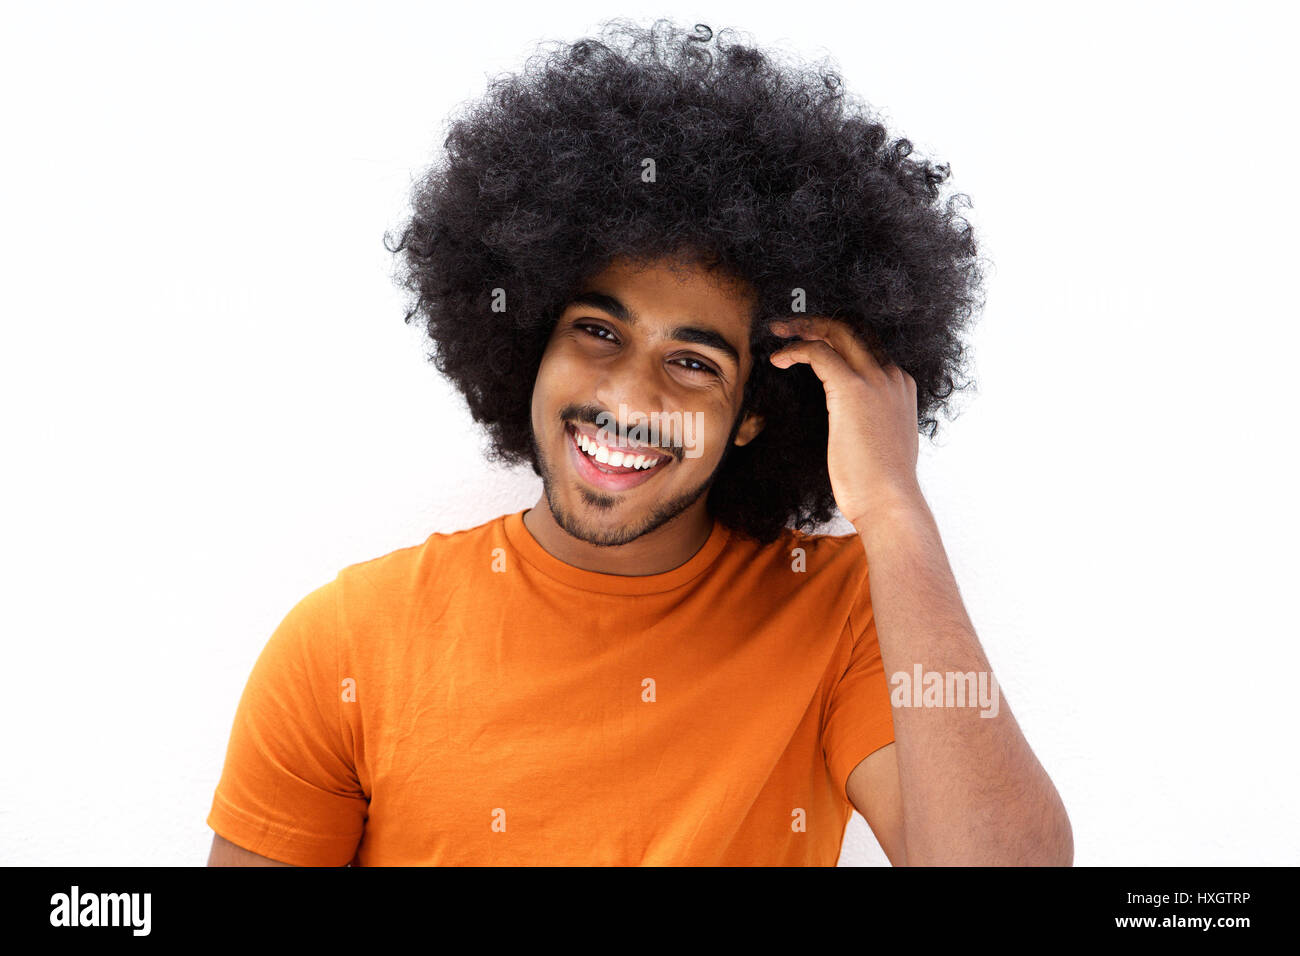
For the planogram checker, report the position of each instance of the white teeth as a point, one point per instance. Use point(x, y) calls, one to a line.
point(615, 458)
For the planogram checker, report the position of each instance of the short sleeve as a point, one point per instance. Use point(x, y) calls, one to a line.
point(859, 720)
point(289, 789)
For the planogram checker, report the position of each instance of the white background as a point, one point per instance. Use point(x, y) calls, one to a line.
point(211, 402)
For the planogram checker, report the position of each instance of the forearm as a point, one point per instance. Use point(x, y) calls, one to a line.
point(973, 792)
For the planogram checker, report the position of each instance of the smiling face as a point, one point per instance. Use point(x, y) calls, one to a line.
point(666, 348)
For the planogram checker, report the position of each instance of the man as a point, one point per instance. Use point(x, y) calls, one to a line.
point(655, 664)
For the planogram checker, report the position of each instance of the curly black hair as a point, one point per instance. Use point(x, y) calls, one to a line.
point(763, 170)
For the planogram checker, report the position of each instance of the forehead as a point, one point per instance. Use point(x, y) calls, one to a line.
point(669, 290)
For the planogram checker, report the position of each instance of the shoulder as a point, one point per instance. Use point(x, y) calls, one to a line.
point(410, 565)
point(835, 569)
point(820, 553)
point(377, 594)
point(828, 568)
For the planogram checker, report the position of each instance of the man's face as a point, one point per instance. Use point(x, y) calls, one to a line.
point(665, 350)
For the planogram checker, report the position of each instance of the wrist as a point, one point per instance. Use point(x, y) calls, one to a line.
point(891, 505)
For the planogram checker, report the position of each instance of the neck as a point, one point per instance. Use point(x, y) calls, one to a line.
point(668, 546)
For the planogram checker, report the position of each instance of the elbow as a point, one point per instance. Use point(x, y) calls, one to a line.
point(1054, 843)
point(1065, 842)
point(1048, 843)
point(1060, 852)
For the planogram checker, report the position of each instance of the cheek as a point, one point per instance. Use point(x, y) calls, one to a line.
point(712, 438)
point(562, 378)
point(559, 382)
point(551, 369)
point(541, 395)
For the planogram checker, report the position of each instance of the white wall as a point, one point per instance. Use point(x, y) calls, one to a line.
point(211, 402)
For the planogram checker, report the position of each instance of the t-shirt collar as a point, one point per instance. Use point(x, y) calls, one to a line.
point(527, 547)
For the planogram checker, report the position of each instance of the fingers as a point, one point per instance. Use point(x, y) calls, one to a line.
point(846, 350)
point(838, 336)
point(836, 374)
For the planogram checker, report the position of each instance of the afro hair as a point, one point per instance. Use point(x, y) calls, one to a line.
point(764, 170)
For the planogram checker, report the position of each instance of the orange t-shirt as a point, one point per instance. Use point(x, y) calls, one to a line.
point(473, 700)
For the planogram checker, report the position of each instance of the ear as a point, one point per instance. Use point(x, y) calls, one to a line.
point(749, 429)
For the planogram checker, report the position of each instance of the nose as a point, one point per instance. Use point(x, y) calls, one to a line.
point(630, 388)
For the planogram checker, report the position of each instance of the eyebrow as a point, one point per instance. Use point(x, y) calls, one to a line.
point(681, 333)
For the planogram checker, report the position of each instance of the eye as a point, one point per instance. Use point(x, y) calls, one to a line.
point(605, 335)
point(703, 369)
point(588, 327)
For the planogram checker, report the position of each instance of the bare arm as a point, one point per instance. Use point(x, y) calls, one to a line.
point(873, 788)
point(225, 853)
point(971, 790)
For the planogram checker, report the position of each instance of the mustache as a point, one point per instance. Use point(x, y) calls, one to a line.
point(590, 415)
